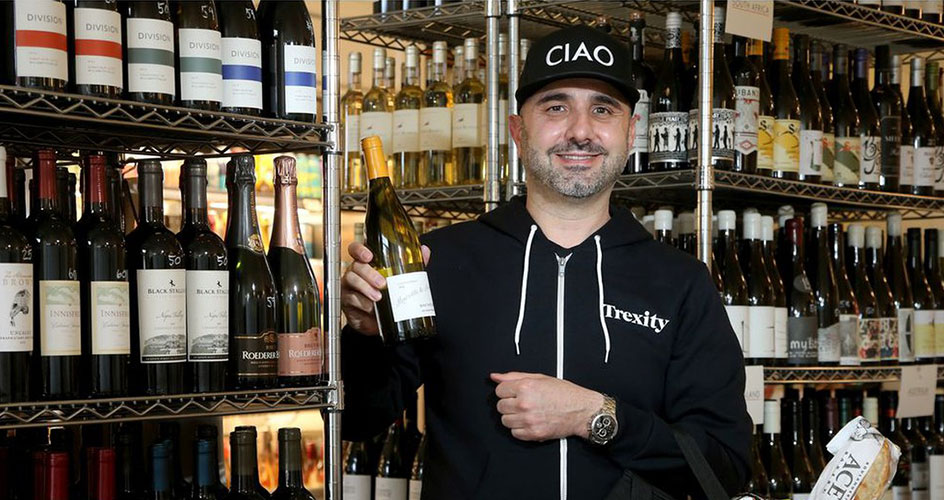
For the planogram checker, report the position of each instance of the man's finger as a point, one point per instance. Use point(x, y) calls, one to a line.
point(513, 422)
point(357, 284)
point(506, 390)
point(357, 302)
point(524, 434)
point(509, 376)
point(426, 253)
point(359, 252)
point(508, 406)
point(369, 274)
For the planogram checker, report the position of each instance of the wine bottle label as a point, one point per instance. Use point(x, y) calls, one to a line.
point(780, 332)
point(747, 102)
point(111, 317)
point(435, 129)
point(379, 123)
point(352, 134)
point(906, 166)
point(207, 316)
point(801, 496)
point(901, 492)
point(739, 316)
point(906, 346)
point(641, 132)
point(416, 489)
point(920, 477)
point(356, 487)
point(201, 65)
point(722, 134)
point(668, 137)
point(765, 142)
point(98, 47)
point(406, 131)
point(870, 335)
point(787, 145)
point(761, 331)
point(300, 78)
point(827, 339)
point(932, 7)
point(389, 488)
point(888, 339)
point(801, 340)
point(467, 122)
point(924, 334)
point(849, 340)
point(300, 354)
point(258, 354)
point(242, 73)
point(939, 332)
point(871, 162)
point(60, 320)
point(503, 122)
point(924, 159)
point(936, 476)
point(41, 47)
point(847, 165)
point(827, 174)
point(162, 315)
point(811, 152)
point(939, 168)
point(410, 297)
point(16, 291)
point(151, 56)
point(890, 145)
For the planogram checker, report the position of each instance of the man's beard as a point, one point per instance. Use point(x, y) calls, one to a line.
point(538, 165)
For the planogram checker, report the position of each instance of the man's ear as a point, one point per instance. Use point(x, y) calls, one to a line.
point(515, 124)
point(633, 123)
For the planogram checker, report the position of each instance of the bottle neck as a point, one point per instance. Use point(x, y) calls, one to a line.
point(194, 204)
point(126, 482)
point(439, 72)
point(47, 196)
point(243, 226)
point(673, 44)
point(354, 81)
point(95, 195)
point(740, 47)
point(245, 470)
point(151, 195)
point(931, 260)
point(290, 464)
point(411, 76)
point(637, 40)
point(160, 472)
point(378, 78)
point(470, 68)
point(206, 475)
point(286, 229)
point(914, 252)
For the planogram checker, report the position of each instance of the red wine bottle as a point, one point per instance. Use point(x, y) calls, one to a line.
point(290, 486)
point(288, 61)
point(57, 344)
point(95, 43)
point(205, 259)
point(37, 45)
point(901, 288)
point(299, 299)
point(106, 299)
point(149, 52)
point(158, 293)
point(128, 457)
point(243, 464)
point(100, 473)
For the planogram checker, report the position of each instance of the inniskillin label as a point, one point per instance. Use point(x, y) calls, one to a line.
point(61, 319)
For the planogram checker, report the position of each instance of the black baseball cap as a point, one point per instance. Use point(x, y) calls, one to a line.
point(577, 52)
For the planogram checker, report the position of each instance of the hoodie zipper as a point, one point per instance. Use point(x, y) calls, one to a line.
point(561, 268)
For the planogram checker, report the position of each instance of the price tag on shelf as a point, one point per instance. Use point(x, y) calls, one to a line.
point(754, 393)
point(750, 18)
point(916, 396)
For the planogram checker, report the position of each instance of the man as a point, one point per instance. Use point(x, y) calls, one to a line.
point(557, 314)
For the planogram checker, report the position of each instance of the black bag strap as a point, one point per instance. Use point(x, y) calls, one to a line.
point(699, 465)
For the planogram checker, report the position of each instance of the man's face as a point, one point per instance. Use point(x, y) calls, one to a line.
point(574, 136)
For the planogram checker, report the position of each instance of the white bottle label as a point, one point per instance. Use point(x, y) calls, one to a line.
point(16, 296)
point(761, 321)
point(668, 137)
point(906, 351)
point(410, 297)
point(939, 169)
point(849, 340)
point(870, 166)
point(41, 47)
point(151, 56)
point(939, 332)
point(924, 159)
point(906, 162)
point(503, 122)
point(406, 131)
point(207, 315)
point(436, 129)
point(924, 334)
point(780, 332)
point(936, 480)
point(416, 489)
point(98, 47)
point(201, 65)
point(900, 493)
point(355, 487)
point(352, 134)
point(828, 343)
point(738, 316)
point(722, 134)
point(747, 104)
point(162, 315)
point(466, 125)
point(387, 488)
point(300, 79)
point(111, 317)
point(379, 123)
point(811, 152)
point(242, 73)
point(641, 131)
point(60, 320)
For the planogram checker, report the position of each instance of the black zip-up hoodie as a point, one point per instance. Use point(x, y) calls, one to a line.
point(619, 313)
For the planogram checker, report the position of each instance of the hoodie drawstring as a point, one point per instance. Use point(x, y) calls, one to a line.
point(524, 287)
point(606, 332)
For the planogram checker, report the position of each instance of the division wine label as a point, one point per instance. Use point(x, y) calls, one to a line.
point(435, 129)
point(162, 315)
point(924, 159)
point(207, 316)
point(379, 123)
point(765, 142)
point(258, 354)
point(98, 47)
point(668, 137)
point(111, 317)
point(406, 131)
point(747, 103)
point(787, 145)
point(641, 117)
point(811, 152)
point(16, 301)
point(300, 354)
point(828, 168)
point(41, 45)
point(300, 79)
point(802, 345)
point(847, 163)
point(410, 297)
point(242, 73)
point(201, 65)
point(870, 164)
point(60, 318)
point(722, 134)
point(467, 119)
point(906, 343)
point(150, 56)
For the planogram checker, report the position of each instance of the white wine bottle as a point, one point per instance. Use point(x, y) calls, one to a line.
point(405, 311)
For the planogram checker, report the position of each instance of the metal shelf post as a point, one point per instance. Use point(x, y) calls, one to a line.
point(514, 38)
point(492, 174)
point(704, 174)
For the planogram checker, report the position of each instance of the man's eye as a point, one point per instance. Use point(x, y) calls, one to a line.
point(603, 110)
point(555, 108)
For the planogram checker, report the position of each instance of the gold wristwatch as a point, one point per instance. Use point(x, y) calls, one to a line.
point(603, 425)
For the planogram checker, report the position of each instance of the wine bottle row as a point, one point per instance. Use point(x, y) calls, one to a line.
point(816, 295)
point(789, 453)
point(109, 469)
point(390, 467)
point(93, 312)
point(200, 54)
point(926, 10)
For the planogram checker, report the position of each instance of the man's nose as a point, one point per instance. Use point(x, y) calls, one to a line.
point(580, 126)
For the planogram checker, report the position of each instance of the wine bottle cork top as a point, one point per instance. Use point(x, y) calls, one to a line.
point(784, 214)
point(781, 44)
point(727, 220)
point(673, 20)
point(894, 224)
point(767, 228)
point(663, 220)
point(380, 58)
point(856, 235)
point(290, 434)
point(439, 52)
point(870, 410)
point(285, 170)
point(771, 416)
point(752, 226)
point(374, 157)
point(686, 223)
point(873, 237)
point(243, 167)
point(819, 214)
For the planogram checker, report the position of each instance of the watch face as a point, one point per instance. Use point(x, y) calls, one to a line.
point(604, 428)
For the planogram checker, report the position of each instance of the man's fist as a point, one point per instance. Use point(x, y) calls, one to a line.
point(537, 407)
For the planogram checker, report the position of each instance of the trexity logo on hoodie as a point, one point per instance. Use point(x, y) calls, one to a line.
point(645, 319)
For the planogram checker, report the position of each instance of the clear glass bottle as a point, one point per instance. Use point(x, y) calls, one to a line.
point(436, 123)
point(352, 104)
point(390, 80)
point(468, 143)
point(377, 114)
point(406, 123)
